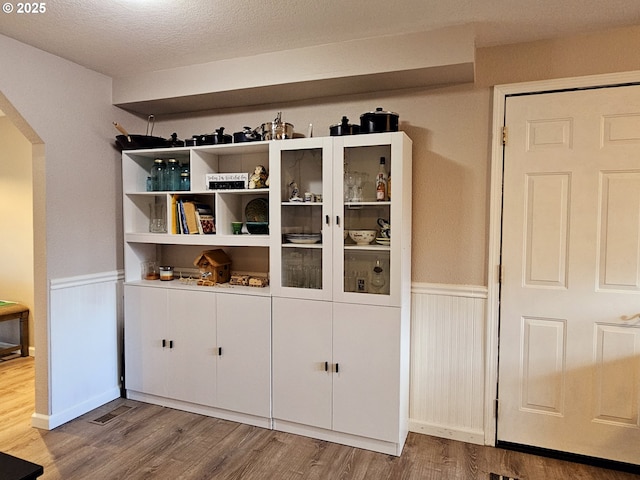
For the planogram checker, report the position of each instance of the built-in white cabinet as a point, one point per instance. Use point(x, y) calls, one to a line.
point(195, 349)
point(340, 306)
point(323, 350)
point(325, 188)
point(338, 372)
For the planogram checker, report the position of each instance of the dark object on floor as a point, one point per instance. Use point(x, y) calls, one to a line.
point(14, 468)
point(496, 476)
point(107, 417)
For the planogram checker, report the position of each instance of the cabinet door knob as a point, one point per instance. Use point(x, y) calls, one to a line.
point(337, 220)
point(170, 343)
point(327, 219)
point(164, 343)
point(337, 367)
point(219, 351)
point(326, 366)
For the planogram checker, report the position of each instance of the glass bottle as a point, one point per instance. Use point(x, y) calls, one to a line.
point(377, 277)
point(381, 181)
point(157, 175)
point(172, 175)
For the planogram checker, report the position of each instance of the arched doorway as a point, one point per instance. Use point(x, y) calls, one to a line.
point(22, 166)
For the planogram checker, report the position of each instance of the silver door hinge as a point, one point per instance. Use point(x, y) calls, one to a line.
point(505, 135)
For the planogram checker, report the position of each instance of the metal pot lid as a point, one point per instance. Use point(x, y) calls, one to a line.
point(344, 123)
point(379, 111)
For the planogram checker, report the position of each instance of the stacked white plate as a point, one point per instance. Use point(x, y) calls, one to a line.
point(302, 237)
point(383, 241)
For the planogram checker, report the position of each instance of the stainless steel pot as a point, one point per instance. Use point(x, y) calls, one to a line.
point(277, 130)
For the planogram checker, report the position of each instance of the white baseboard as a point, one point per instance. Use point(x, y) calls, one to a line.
point(461, 435)
point(49, 422)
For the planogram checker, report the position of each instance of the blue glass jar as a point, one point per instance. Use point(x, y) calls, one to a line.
point(157, 175)
point(172, 175)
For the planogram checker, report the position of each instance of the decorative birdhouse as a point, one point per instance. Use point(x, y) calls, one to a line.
point(214, 266)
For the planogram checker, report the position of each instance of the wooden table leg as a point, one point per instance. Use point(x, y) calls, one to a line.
point(24, 334)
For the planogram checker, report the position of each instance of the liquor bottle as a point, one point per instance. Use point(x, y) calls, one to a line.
point(381, 181)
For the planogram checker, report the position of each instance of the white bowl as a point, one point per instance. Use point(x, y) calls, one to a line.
point(363, 237)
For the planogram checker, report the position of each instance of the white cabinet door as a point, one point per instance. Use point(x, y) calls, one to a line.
point(301, 351)
point(244, 363)
point(145, 330)
point(366, 386)
point(191, 353)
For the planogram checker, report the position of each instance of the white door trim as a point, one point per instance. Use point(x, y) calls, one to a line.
point(500, 93)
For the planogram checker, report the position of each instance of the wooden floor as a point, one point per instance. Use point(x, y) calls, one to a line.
point(150, 442)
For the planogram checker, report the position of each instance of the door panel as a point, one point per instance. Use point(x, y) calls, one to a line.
point(366, 387)
point(191, 357)
point(569, 364)
point(301, 345)
point(244, 368)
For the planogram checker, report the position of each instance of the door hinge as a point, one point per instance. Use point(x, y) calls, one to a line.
point(500, 274)
point(505, 135)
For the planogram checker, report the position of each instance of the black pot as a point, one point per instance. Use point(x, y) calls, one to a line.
point(379, 121)
point(344, 128)
point(211, 138)
point(246, 135)
point(174, 142)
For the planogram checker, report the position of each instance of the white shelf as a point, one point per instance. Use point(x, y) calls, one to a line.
point(245, 240)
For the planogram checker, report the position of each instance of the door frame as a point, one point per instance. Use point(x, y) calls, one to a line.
point(500, 94)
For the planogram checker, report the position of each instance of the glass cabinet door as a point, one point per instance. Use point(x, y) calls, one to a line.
point(367, 249)
point(302, 220)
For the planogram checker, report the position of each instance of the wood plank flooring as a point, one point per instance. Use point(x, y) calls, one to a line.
point(151, 442)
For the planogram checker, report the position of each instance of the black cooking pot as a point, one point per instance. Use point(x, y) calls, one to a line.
point(210, 138)
point(246, 135)
point(344, 128)
point(378, 121)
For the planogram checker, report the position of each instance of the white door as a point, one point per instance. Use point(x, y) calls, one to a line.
point(145, 329)
point(366, 385)
point(191, 351)
point(244, 364)
point(569, 375)
point(302, 361)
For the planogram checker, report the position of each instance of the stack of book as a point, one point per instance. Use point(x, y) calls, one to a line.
point(192, 217)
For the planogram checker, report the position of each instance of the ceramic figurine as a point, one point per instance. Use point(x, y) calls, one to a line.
point(259, 178)
point(295, 193)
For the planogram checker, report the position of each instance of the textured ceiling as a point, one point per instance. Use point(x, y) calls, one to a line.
point(126, 37)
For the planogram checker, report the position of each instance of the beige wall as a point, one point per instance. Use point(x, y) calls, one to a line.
point(16, 217)
point(616, 50)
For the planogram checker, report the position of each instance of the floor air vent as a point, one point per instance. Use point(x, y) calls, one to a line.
point(496, 476)
point(107, 417)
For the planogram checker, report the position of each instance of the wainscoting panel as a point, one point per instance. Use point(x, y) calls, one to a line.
point(83, 336)
point(448, 362)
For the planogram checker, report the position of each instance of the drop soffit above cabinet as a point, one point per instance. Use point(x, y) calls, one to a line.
point(442, 57)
